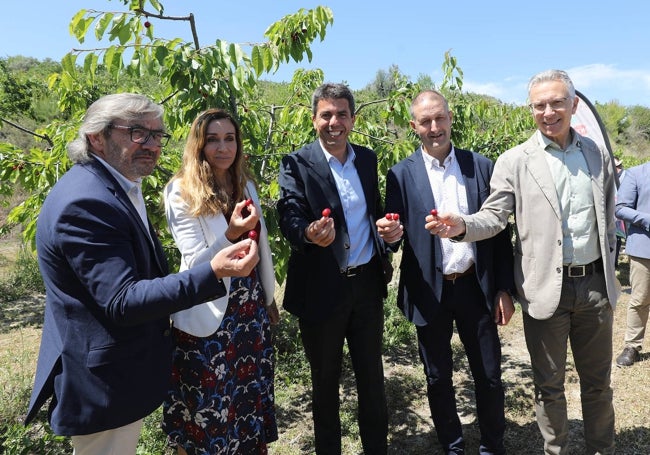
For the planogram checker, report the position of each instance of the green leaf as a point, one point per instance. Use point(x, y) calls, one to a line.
point(236, 54)
point(257, 60)
point(103, 22)
point(90, 65)
point(68, 63)
point(75, 28)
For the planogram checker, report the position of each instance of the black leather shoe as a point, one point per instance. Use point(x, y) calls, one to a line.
point(627, 357)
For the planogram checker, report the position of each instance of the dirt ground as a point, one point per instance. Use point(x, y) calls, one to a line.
point(410, 428)
point(411, 431)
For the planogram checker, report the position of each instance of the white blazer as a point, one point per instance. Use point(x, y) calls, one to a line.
point(199, 239)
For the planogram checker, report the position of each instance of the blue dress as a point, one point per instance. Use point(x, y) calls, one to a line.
point(221, 396)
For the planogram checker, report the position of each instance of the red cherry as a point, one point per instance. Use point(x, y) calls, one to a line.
point(147, 24)
point(434, 212)
point(389, 216)
point(326, 212)
point(396, 216)
point(252, 235)
point(249, 201)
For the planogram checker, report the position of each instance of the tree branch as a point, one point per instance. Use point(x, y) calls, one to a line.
point(25, 130)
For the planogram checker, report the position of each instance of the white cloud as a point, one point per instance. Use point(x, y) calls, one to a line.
point(603, 83)
point(598, 82)
point(511, 91)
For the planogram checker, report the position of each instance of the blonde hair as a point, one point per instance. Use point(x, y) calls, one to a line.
point(198, 186)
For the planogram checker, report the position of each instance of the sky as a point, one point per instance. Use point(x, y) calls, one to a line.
point(499, 45)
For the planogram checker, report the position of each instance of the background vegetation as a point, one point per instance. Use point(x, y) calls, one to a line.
point(41, 105)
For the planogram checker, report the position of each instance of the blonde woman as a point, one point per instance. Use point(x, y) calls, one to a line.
point(221, 393)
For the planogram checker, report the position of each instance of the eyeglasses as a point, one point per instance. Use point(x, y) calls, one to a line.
point(141, 135)
point(556, 105)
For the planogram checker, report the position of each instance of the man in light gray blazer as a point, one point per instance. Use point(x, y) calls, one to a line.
point(633, 207)
point(561, 188)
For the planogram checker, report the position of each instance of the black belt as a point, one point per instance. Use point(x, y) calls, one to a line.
point(578, 271)
point(349, 272)
point(456, 275)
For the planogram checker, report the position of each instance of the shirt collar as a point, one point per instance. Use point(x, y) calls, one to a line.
point(328, 156)
point(545, 142)
point(126, 184)
point(432, 162)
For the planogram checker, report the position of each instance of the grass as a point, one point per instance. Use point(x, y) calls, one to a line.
point(410, 428)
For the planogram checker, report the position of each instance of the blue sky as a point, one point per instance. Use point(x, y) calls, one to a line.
point(604, 46)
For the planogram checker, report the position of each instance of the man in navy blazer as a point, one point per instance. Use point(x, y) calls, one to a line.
point(633, 207)
point(335, 282)
point(105, 356)
point(442, 283)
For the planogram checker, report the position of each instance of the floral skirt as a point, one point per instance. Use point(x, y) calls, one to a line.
point(221, 397)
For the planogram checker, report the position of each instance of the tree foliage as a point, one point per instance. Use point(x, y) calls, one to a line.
point(187, 78)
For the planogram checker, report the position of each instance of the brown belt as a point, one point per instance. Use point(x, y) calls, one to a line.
point(455, 276)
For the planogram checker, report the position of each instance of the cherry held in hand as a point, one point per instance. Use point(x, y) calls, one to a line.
point(326, 212)
point(434, 212)
point(252, 235)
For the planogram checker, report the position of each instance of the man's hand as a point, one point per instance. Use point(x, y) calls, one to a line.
point(321, 232)
point(390, 230)
point(273, 312)
point(504, 308)
point(445, 225)
point(236, 260)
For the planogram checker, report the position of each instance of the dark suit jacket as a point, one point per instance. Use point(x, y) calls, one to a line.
point(420, 285)
point(105, 355)
point(314, 281)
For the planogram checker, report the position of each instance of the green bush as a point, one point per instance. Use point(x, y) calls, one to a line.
point(24, 279)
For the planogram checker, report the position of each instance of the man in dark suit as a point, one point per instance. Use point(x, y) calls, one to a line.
point(443, 282)
point(335, 283)
point(105, 356)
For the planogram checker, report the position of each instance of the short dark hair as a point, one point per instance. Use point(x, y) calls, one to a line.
point(330, 91)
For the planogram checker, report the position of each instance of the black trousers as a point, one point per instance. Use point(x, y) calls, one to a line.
point(360, 322)
point(463, 302)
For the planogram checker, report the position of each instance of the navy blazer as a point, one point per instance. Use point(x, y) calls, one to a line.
point(314, 282)
point(105, 356)
point(420, 284)
point(633, 207)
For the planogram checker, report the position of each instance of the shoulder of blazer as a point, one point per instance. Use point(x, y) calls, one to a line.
point(308, 150)
point(105, 176)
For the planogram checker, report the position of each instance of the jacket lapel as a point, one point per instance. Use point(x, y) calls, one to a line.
point(538, 168)
point(116, 189)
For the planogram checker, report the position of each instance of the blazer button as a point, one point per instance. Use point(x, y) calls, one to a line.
point(559, 242)
point(346, 246)
point(167, 332)
point(558, 270)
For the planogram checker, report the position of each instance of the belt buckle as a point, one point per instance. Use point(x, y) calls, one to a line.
point(351, 271)
point(577, 275)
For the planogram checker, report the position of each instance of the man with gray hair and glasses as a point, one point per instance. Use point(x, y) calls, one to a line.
point(105, 356)
point(560, 186)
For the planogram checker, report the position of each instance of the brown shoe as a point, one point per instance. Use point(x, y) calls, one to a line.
point(627, 357)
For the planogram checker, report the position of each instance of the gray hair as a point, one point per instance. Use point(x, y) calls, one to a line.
point(553, 75)
point(124, 106)
point(329, 91)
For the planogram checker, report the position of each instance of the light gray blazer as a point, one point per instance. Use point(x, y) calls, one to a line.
point(522, 185)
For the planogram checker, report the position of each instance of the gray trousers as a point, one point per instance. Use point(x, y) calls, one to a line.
point(584, 318)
